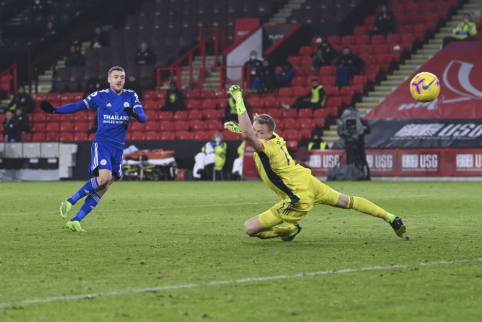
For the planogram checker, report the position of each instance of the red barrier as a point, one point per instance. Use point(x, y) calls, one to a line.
point(394, 163)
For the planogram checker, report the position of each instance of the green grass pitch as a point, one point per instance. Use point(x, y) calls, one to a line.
point(176, 251)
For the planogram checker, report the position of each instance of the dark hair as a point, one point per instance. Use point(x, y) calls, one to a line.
point(265, 119)
point(120, 69)
point(315, 80)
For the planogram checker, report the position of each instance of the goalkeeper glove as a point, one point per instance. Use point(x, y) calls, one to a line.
point(237, 93)
point(130, 111)
point(233, 127)
point(47, 107)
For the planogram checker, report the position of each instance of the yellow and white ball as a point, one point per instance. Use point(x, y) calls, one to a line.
point(425, 87)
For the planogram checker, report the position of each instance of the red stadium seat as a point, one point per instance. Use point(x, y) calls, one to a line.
point(198, 125)
point(380, 48)
point(66, 136)
point(362, 39)
point(286, 124)
point(201, 136)
point(365, 49)
point(306, 60)
point(306, 124)
point(166, 126)
point(137, 127)
point(138, 136)
point(193, 94)
point(38, 137)
point(292, 145)
point(348, 90)
point(307, 50)
point(181, 135)
point(333, 111)
point(292, 135)
point(40, 97)
point(297, 81)
point(152, 115)
point(150, 105)
point(327, 70)
point(305, 112)
point(306, 134)
point(295, 60)
point(291, 113)
point(54, 98)
point(207, 94)
point(431, 17)
point(358, 88)
point(254, 102)
point(52, 137)
point(274, 112)
point(378, 39)
point(165, 116)
point(393, 39)
point(53, 117)
point(333, 40)
point(180, 115)
point(78, 136)
point(360, 30)
point(359, 79)
point(26, 137)
point(298, 91)
point(181, 126)
point(346, 100)
point(52, 127)
point(270, 101)
point(194, 115)
point(149, 95)
point(81, 126)
point(81, 116)
point(39, 117)
point(321, 112)
point(151, 126)
point(319, 122)
point(221, 93)
point(370, 20)
point(66, 117)
point(208, 104)
point(66, 126)
point(152, 136)
point(331, 90)
point(166, 136)
point(214, 125)
point(38, 127)
point(333, 102)
point(347, 40)
point(213, 114)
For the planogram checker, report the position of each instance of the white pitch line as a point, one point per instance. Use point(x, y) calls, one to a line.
point(244, 280)
point(149, 208)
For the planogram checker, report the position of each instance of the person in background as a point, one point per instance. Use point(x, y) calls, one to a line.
point(145, 55)
point(22, 100)
point(94, 84)
point(348, 64)
point(50, 32)
point(264, 82)
point(317, 94)
point(11, 128)
point(238, 163)
point(133, 84)
point(284, 78)
point(324, 55)
point(252, 67)
point(230, 112)
point(174, 99)
point(74, 58)
point(212, 155)
point(99, 39)
point(316, 142)
point(23, 121)
point(466, 30)
point(384, 23)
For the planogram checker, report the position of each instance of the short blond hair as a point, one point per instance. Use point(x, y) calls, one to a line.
point(265, 119)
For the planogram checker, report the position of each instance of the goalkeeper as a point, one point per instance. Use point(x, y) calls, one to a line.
point(298, 189)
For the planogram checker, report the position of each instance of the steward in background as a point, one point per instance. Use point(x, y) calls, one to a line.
point(174, 99)
point(317, 95)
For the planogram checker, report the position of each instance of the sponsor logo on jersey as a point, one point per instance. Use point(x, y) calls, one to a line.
point(126, 104)
point(108, 105)
point(103, 162)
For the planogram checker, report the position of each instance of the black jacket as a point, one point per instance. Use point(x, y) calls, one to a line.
point(74, 59)
point(327, 54)
point(350, 60)
point(23, 101)
point(23, 122)
point(11, 130)
point(385, 23)
point(147, 56)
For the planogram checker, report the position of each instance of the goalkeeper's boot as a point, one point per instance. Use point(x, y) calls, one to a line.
point(398, 227)
point(75, 226)
point(65, 208)
point(295, 230)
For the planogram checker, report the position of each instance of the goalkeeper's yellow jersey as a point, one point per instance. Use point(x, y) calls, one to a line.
point(279, 171)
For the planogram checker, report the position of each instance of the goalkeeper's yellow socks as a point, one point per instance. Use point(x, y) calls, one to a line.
point(274, 232)
point(367, 207)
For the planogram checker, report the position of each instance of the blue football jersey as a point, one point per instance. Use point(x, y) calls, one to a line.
point(113, 121)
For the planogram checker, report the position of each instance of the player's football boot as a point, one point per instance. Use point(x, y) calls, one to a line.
point(75, 226)
point(295, 230)
point(398, 227)
point(65, 208)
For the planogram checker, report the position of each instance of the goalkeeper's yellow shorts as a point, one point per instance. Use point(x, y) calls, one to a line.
point(290, 213)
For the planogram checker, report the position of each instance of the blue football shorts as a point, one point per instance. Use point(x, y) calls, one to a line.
point(104, 156)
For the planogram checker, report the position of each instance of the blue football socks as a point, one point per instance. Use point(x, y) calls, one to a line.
point(91, 201)
point(89, 187)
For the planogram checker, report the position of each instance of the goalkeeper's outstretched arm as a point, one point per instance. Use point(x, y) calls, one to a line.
point(244, 122)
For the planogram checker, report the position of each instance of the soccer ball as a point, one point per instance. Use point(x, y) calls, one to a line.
point(425, 87)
